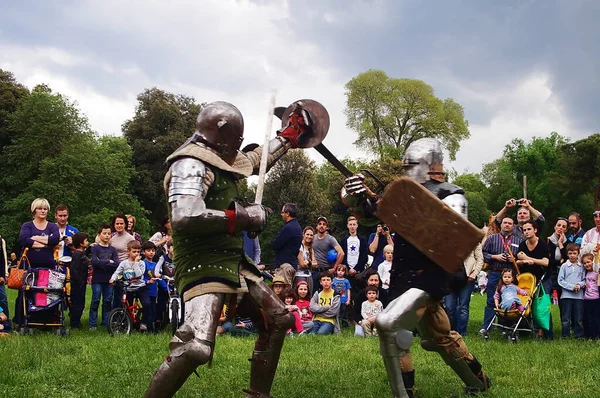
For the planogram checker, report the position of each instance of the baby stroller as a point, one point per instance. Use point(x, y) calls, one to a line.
point(511, 322)
point(45, 300)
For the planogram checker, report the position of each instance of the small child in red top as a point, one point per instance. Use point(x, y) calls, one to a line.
point(303, 304)
point(289, 298)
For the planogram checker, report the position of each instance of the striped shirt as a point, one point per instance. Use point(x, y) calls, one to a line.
point(497, 244)
point(591, 236)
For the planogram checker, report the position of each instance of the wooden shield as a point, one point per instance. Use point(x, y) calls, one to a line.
point(427, 223)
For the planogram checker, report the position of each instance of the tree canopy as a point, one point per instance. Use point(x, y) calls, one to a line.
point(162, 122)
point(49, 150)
point(389, 114)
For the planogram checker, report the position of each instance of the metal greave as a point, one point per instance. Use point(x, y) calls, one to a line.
point(191, 346)
point(268, 346)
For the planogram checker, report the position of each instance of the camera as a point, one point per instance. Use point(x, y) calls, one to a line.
point(385, 228)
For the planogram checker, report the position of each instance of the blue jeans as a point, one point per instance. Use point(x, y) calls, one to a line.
point(322, 328)
point(571, 315)
point(106, 291)
point(488, 312)
point(4, 305)
point(457, 307)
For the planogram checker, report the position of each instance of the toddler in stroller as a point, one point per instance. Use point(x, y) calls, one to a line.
point(507, 293)
point(513, 305)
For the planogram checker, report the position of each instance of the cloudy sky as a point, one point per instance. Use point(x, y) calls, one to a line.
point(519, 68)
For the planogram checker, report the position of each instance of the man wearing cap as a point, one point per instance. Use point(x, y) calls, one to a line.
point(322, 244)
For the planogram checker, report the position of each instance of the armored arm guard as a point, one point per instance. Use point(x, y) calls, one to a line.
point(277, 148)
point(188, 183)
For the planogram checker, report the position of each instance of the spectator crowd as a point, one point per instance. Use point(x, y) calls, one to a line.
point(327, 285)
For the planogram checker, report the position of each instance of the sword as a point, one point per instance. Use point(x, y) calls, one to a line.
point(262, 171)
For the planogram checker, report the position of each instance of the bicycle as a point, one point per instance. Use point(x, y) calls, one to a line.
point(174, 307)
point(121, 320)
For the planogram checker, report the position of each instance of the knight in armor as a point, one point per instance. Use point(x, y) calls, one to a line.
point(207, 223)
point(417, 284)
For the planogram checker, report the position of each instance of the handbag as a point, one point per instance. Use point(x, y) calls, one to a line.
point(17, 275)
point(541, 308)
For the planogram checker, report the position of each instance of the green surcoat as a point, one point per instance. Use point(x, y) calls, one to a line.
point(210, 257)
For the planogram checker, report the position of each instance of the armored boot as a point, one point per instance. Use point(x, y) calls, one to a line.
point(267, 349)
point(191, 346)
point(391, 353)
point(264, 362)
point(175, 369)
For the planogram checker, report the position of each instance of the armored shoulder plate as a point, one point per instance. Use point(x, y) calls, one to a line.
point(442, 189)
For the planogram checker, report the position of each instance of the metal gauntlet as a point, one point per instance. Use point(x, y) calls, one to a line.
point(252, 217)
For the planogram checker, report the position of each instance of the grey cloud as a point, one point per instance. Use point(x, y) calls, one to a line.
point(492, 43)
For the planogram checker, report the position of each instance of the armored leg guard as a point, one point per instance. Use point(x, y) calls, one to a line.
point(394, 326)
point(436, 335)
point(270, 340)
point(191, 346)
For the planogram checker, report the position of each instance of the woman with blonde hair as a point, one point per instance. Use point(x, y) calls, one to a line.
point(39, 236)
point(131, 227)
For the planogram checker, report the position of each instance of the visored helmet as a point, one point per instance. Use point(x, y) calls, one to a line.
point(221, 127)
point(419, 156)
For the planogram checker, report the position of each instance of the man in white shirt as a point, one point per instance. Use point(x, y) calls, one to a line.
point(356, 250)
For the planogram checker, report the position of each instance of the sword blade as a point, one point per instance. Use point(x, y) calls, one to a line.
point(262, 171)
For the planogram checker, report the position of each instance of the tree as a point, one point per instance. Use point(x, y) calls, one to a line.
point(580, 163)
point(12, 95)
point(162, 122)
point(477, 194)
point(541, 161)
point(54, 155)
point(389, 114)
point(41, 127)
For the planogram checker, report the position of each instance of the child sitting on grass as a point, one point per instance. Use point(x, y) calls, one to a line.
point(133, 269)
point(325, 305)
point(289, 298)
point(369, 311)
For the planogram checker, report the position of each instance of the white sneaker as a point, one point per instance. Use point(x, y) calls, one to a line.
point(482, 332)
point(143, 328)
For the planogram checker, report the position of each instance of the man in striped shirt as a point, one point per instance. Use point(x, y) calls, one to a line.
point(495, 254)
point(591, 239)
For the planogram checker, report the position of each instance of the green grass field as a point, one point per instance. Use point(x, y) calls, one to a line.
point(93, 364)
